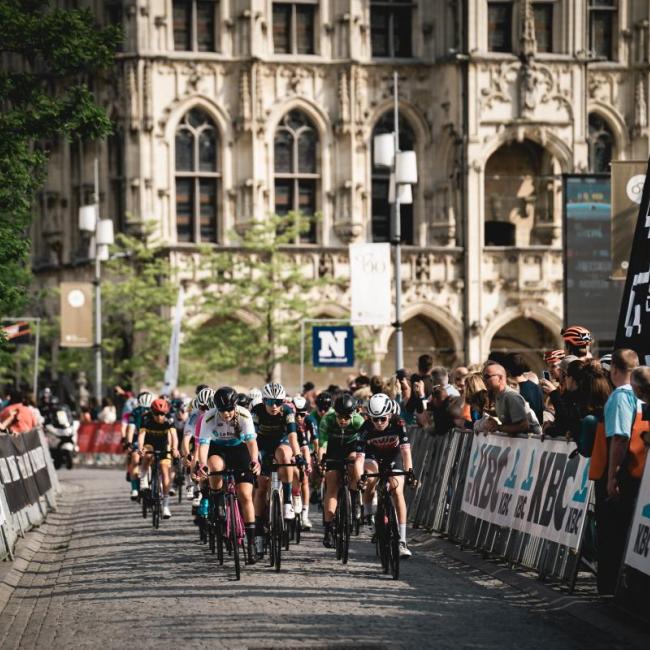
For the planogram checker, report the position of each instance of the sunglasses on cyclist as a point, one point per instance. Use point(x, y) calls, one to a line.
point(343, 417)
point(302, 414)
point(226, 410)
point(269, 401)
point(157, 413)
point(381, 418)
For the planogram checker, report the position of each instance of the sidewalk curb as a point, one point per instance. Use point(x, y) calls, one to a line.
point(601, 615)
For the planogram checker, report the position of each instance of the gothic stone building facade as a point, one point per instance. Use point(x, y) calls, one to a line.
point(228, 110)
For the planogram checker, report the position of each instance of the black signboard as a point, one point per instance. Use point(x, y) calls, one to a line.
point(634, 319)
point(591, 297)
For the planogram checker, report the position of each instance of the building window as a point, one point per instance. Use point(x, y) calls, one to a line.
point(543, 15)
point(197, 178)
point(602, 27)
point(500, 26)
point(390, 27)
point(600, 145)
point(296, 169)
point(293, 27)
point(195, 24)
point(381, 208)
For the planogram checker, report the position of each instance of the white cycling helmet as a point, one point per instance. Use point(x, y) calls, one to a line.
point(379, 405)
point(255, 396)
point(606, 362)
point(300, 403)
point(397, 409)
point(273, 391)
point(145, 399)
point(204, 398)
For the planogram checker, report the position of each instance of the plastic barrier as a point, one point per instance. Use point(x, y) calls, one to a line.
point(520, 498)
point(28, 486)
point(100, 444)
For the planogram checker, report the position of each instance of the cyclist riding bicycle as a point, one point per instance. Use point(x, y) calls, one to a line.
point(323, 405)
point(228, 441)
point(383, 445)
point(200, 404)
point(305, 431)
point(144, 401)
point(338, 434)
point(157, 433)
point(275, 424)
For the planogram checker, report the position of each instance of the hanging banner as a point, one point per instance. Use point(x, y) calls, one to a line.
point(528, 485)
point(370, 285)
point(638, 546)
point(628, 177)
point(171, 373)
point(333, 346)
point(19, 332)
point(634, 318)
point(76, 301)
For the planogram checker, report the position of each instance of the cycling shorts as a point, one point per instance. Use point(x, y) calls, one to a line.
point(394, 461)
point(266, 448)
point(338, 452)
point(236, 458)
point(156, 446)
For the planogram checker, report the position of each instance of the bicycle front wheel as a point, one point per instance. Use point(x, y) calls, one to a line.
point(346, 518)
point(231, 513)
point(381, 531)
point(276, 529)
point(393, 544)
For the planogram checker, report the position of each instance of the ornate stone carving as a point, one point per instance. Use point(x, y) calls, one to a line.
point(640, 108)
point(422, 268)
point(147, 99)
point(344, 98)
point(243, 121)
point(326, 265)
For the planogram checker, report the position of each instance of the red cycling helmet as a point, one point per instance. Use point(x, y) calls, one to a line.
point(554, 356)
point(160, 405)
point(576, 335)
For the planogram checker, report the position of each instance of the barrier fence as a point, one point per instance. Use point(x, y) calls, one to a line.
point(100, 444)
point(28, 486)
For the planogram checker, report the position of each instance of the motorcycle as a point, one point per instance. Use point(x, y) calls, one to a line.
point(61, 433)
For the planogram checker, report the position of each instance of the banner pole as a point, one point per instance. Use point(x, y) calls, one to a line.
point(36, 357)
point(302, 353)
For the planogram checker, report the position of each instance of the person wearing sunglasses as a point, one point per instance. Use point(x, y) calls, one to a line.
point(157, 433)
point(384, 444)
point(305, 431)
point(338, 433)
point(275, 425)
point(227, 440)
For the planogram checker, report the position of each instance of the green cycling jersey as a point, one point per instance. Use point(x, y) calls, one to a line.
point(330, 429)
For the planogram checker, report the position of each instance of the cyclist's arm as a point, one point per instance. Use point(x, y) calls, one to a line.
point(361, 454)
point(141, 434)
point(248, 435)
point(203, 453)
point(323, 435)
point(171, 440)
point(130, 431)
point(405, 450)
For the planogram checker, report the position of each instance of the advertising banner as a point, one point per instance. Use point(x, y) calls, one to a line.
point(333, 346)
point(23, 470)
point(76, 302)
point(370, 284)
point(17, 332)
point(628, 177)
point(634, 318)
point(638, 546)
point(99, 438)
point(173, 357)
point(587, 251)
point(528, 485)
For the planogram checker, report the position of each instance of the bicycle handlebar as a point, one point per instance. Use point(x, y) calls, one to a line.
point(393, 472)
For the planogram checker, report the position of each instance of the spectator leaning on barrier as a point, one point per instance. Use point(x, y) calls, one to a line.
point(458, 378)
point(511, 408)
point(476, 396)
point(528, 389)
point(592, 393)
point(16, 417)
point(562, 400)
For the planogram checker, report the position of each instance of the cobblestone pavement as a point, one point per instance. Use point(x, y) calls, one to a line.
point(104, 578)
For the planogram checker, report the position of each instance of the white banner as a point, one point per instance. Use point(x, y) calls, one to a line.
point(370, 284)
point(638, 546)
point(528, 485)
point(171, 373)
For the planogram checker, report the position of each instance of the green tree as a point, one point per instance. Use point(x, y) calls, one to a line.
point(255, 299)
point(49, 55)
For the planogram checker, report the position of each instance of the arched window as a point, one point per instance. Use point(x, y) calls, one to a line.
point(600, 144)
point(197, 178)
point(296, 169)
point(381, 208)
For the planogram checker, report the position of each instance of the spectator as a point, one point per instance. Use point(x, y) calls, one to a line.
point(378, 385)
point(513, 416)
point(592, 393)
point(440, 377)
point(562, 399)
point(640, 380)
point(16, 417)
point(577, 340)
point(107, 414)
point(309, 393)
point(552, 360)
point(529, 390)
point(476, 396)
point(458, 377)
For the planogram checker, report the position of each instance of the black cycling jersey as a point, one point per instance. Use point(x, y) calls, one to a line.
point(382, 445)
point(273, 427)
point(305, 432)
point(156, 432)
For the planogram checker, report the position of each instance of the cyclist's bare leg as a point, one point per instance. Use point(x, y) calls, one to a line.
point(332, 482)
point(371, 467)
point(216, 464)
point(245, 494)
point(260, 496)
point(397, 488)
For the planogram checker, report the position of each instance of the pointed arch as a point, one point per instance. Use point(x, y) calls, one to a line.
point(616, 123)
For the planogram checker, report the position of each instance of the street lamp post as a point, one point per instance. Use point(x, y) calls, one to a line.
point(103, 237)
point(403, 166)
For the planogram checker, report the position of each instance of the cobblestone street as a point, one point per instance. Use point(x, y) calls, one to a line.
point(103, 577)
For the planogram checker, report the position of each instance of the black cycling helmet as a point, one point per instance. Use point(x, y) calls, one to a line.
point(225, 399)
point(324, 401)
point(243, 400)
point(199, 388)
point(345, 404)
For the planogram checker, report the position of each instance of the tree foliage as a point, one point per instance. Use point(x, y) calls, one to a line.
point(51, 55)
point(254, 300)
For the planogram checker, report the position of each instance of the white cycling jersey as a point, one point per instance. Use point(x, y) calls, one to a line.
point(234, 432)
point(190, 423)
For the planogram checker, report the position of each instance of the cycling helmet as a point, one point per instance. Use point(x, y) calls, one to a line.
point(300, 404)
point(397, 409)
point(200, 387)
point(225, 398)
point(324, 401)
point(243, 400)
point(606, 362)
point(577, 336)
point(160, 405)
point(379, 405)
point(204, 398)
point(145, 399)
point(255, 396)
point(554, 356)
point(273, 391)
point(345, 404)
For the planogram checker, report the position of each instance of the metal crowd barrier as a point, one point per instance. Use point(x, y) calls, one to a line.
point(441, 466)
point(28, 487)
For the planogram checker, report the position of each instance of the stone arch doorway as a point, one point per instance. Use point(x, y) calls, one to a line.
point(524, 335)
point(422, 335)
point(522, 195)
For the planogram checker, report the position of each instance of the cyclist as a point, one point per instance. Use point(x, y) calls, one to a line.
point(144, 400)
point(228, 441)
point(323, 405)
point(383, 444)
point(275, 424)
point(338, 434)
point(157, 433)
point(305, 431)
